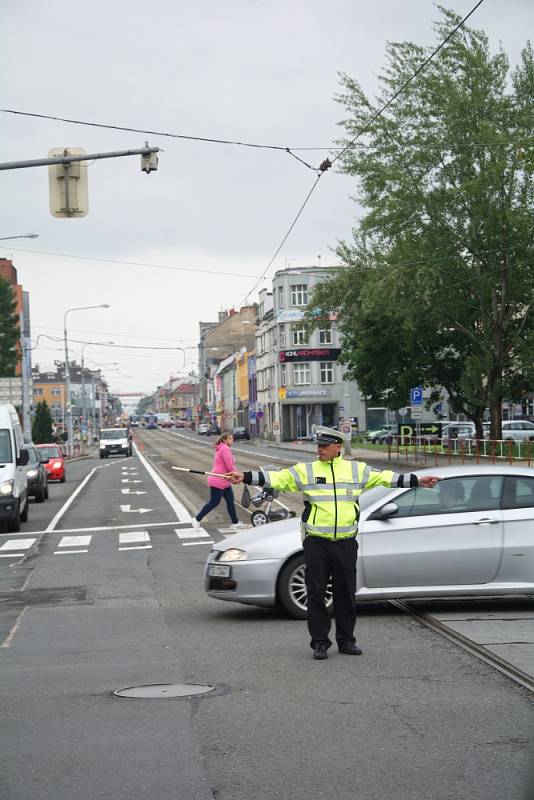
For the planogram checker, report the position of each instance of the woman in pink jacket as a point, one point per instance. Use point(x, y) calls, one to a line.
point(219, 487)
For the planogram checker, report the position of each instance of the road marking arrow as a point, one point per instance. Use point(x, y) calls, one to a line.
point(129, 491)
point(130, 510)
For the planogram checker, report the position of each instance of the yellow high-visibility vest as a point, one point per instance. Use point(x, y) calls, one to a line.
point(330, 490)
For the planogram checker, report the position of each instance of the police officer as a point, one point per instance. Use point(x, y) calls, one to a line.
point(331, 487)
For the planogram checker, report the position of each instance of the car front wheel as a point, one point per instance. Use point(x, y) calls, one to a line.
point(292, 589)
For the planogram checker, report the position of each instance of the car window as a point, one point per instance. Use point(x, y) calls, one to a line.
point(519, 492)
point(48, 452)
point(451, 496)
point(5, 446)
point(32, 455)
point(119, 433)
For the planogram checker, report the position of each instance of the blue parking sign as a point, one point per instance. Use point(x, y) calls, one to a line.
point(416, 396)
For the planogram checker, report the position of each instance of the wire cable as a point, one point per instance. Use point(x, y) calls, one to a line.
point(204, 139)
point(133, 263)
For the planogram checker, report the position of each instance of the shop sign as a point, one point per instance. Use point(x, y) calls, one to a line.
point(313, 354)
point(305, 393)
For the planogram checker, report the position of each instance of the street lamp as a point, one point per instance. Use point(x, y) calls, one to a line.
point(67, 370)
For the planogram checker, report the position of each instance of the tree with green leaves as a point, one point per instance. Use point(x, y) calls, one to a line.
point(437, 287)
point(42, 424)
point(9, 330)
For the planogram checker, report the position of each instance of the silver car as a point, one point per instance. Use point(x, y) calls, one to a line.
point(470, 536)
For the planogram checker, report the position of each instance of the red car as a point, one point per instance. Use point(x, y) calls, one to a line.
point(55, 466)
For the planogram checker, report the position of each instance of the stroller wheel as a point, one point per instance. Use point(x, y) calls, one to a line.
point(259, 518)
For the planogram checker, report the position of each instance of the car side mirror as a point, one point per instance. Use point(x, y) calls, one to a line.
point(23, 458)
point(389, 510)
point(44, 461)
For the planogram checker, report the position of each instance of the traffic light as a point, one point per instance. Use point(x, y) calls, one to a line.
point(69, 193)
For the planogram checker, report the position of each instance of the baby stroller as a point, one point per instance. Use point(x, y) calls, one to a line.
point(266, 498)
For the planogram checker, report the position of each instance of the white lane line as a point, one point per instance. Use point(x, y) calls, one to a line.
point(18, 544)
point(181, 512)
point(7, 641)
point(137, 547)
point(105, 528)
point(196, 533)
point(12, 555)
point(134, 536)
point(190, 544)
point(71, 499)
point(68, 552)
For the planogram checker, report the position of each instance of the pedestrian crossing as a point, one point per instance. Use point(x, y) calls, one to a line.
point(123, 541)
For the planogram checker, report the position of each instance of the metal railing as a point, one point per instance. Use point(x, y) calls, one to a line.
point(464, 451)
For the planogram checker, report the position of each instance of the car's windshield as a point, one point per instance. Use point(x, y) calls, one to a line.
point(372, 495)
point(5, 446)
point(49, 452)
point(114, 434)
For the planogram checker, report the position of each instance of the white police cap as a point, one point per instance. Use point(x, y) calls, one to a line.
point(327, 435)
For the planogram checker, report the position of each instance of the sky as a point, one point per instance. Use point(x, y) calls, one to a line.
point(175, 247)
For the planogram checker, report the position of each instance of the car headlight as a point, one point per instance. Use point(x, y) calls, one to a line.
point(233, 554)
point(32, 473)
point(6, 487)
point(56, 464)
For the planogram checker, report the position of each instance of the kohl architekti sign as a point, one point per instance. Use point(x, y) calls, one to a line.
point(310, 354)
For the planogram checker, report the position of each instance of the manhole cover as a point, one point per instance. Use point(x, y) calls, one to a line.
point(163, 690)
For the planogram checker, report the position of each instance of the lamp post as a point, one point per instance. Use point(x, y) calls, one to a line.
point(67, 370)
point(84, 345)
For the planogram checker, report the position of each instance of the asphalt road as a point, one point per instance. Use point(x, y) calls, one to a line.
point(413, 718)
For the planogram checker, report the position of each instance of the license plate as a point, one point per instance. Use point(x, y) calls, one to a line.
point(218, 571)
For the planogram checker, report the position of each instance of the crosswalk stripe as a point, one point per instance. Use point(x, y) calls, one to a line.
point(75, 541)
point(196, 533)
point(17, 544)
point(134, 536)
point(68, 552)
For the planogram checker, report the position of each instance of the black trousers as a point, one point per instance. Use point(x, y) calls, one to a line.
point(335, 559)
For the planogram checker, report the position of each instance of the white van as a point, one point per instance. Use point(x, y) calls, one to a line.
point(13, 459)
point(115, 441)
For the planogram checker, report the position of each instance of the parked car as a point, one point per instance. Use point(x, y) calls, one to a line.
point(372, 435)
point(203, 428)
point(213, 430)
point(518, 430)
point(55, 463)
point(180, 423)
point(241, 433)
point(470, 536)
point(13, 461)
point(36, 474)
point(387, 436)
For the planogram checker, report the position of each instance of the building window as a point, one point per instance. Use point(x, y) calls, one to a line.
point(55, 392)
point(299, 294)
point(326, 369)
point(298, 335)
point(301, 374)
point(325, 335)
point(281, 298)
point(282, 336)
point(38, 392)
point(283, 375)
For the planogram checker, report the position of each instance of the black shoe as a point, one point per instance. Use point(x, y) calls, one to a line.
point(350, 649)
point(320, 651)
